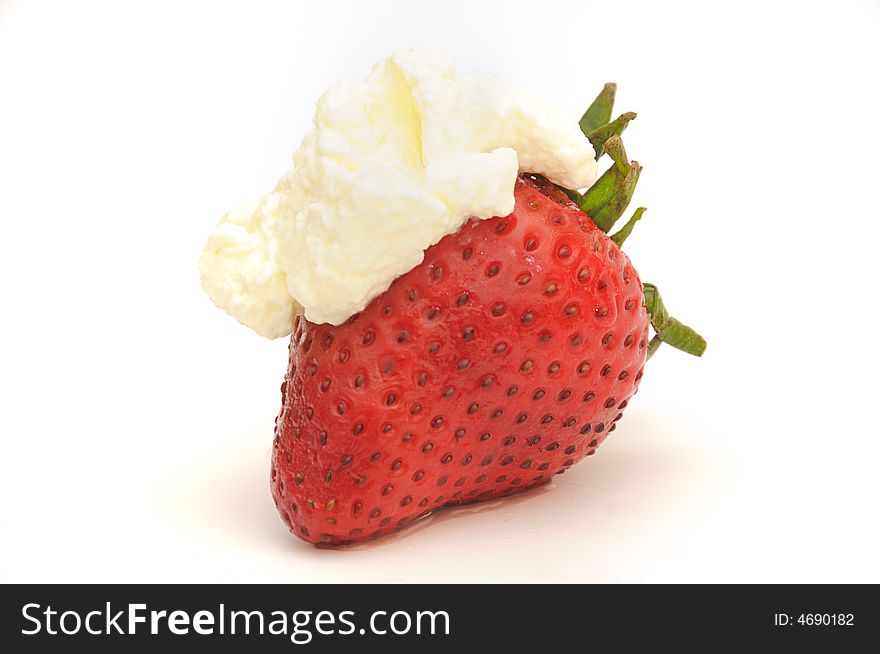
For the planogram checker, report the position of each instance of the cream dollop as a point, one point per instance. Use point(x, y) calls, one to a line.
point(392, 165)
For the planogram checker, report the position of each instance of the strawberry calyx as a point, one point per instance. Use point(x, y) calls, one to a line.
point(599, 111)
point(599, 136)
point(621, 235)
point(607, 200)
point(668, 329)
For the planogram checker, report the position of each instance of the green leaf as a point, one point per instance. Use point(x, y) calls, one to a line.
point(654, 305)
point(653, 345)
point(670, 330)
point(614, 147)
point(607, 199)
point(683, 338)
point(599, 112)
point(601, 134)
point(627, 229)
point(601, 192)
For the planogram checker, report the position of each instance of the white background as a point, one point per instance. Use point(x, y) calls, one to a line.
point(137, 418)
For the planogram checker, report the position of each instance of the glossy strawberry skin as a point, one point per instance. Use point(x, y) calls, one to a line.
point(504, 358)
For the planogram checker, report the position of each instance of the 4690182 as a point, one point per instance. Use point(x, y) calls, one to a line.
point(825, 619)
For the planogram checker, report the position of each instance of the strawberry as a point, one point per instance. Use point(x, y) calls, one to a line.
point(504, 358)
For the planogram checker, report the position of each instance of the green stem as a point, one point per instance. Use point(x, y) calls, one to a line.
point(627, 229)
point(599, 112)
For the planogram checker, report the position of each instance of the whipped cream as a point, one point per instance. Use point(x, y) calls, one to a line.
point(392, 165)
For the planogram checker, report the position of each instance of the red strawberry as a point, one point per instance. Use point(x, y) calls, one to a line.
point(504, 358)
